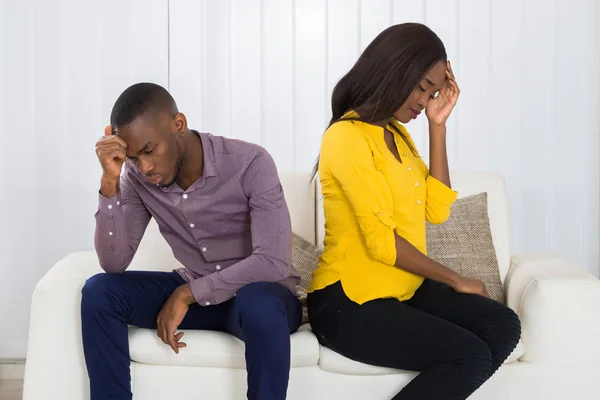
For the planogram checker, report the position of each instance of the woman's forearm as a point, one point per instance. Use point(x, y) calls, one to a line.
point(438, 158)
point(412, 260)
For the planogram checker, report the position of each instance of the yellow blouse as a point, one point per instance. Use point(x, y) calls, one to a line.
point(368, 197)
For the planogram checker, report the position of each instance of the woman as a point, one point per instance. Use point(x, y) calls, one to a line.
point(376, 297)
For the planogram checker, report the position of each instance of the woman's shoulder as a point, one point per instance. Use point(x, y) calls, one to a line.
point(344, 132)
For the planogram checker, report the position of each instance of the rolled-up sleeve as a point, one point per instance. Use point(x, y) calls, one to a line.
point(439, 201)
point(271, 231)
point(347, 157)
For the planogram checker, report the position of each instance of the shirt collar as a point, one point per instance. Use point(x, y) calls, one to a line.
point(208, 150)
point(376, 130)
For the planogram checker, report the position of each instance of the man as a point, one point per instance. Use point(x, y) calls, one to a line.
point(220, 206)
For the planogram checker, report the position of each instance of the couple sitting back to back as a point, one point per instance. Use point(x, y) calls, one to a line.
point(375, 297)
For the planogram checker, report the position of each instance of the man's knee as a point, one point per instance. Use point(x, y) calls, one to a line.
point(260, 307)
point(94, 294)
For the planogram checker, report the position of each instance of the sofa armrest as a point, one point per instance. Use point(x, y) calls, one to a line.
point(558, 303)
point(55, 367)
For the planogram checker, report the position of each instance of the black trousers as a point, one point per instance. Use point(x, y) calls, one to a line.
point(456, 340)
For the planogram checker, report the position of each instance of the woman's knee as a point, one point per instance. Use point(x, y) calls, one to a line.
point(474, 358)
point(512, 323)
point(504, 329)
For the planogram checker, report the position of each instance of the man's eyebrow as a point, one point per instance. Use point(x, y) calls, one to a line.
point(430, 81)
point(146, 146)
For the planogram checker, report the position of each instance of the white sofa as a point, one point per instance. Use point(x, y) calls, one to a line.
point(558, 303)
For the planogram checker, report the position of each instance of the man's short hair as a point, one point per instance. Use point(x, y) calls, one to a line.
point(142, 99)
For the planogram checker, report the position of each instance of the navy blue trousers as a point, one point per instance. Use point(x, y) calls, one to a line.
point(262, 315)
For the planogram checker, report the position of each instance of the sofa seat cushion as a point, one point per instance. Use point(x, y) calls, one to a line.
point(212, 349)
point(333, 362)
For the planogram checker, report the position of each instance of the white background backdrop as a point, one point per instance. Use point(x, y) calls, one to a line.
point(263, 70)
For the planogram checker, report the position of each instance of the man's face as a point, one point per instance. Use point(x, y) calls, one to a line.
point(152, 146)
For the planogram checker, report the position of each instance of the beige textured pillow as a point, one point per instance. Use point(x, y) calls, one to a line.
point(305, 258)
point(464, 243)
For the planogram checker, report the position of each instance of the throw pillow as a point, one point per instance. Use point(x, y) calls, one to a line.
point(305, 258)
point(464, 243)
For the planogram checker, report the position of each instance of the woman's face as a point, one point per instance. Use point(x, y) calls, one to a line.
point(422, 93)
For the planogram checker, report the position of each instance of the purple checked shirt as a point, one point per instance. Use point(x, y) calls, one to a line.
point(229, 228)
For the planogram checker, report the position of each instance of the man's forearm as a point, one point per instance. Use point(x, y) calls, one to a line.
point(438, 157)
point(412, 260)
point(184, 293)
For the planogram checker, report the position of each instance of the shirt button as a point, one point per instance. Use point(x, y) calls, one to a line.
point(185, 196)
point(204, 249)
point(404, 154)
point(207, 303)
point(418, 201)
point(192, 225)
point(110, 206)
point(110, 233)
point(416, 183)
point(118, 203)
point(218, 267)
point(410, 168)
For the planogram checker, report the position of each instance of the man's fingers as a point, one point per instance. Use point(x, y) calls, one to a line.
point(112, 154)
point(111, 139)
point(170, 332)
point(109, 146)
point(160, 332)
point(178, 338)
point(108, 130)
point(104, 154)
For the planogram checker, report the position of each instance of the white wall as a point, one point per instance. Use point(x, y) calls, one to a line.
point(62, 65)
point(263, 70)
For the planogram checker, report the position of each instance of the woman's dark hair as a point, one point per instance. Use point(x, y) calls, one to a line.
point(385, 75)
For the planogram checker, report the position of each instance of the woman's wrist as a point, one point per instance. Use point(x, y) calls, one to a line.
point(437, 129)
point(453, 279)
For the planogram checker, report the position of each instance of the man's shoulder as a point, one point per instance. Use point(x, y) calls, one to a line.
point(236, 152)
point(232, 147)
